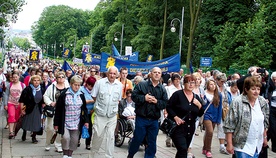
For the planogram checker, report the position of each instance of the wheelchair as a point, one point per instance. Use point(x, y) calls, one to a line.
point(124, 130)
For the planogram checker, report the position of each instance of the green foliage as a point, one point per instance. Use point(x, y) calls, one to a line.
point(254, 49)
point(235, 33)
point(22, 43)
point(214, 15)
point(60, 25)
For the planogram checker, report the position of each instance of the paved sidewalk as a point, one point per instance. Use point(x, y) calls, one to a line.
point(16, 148)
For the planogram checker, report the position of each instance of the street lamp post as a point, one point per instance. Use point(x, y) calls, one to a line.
point(173, 29)
point(121, 40)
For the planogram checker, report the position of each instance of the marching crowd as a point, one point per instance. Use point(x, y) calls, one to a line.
point(43, 96)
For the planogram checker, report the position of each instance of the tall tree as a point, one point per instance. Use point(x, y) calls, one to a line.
point(194, 13)
point(61, 25)
point(254, 49)
point(214, 15)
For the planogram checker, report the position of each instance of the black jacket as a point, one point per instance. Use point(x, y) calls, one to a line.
point(27, 98)
point(142, 107)
point(59, 119)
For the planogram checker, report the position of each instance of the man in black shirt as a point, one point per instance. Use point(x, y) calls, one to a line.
point(150, 97)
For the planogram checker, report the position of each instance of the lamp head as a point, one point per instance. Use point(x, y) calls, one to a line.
point(115, 39)
point(173, 29)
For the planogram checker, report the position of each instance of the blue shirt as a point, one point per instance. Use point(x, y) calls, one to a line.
point(87, 96)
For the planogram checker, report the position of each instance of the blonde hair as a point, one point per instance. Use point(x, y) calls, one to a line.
point(35, 77)
point(59, 73)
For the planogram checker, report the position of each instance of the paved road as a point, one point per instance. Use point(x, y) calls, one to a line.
point(15, 148)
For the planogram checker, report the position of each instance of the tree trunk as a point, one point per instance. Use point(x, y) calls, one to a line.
point(164, 31)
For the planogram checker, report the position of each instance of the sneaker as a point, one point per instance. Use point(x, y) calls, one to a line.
point(208, 154)
point(59, 150)
point(47, 148)
point(204, 152)
point(65, 156)
point(223, 151)
point(190, 155)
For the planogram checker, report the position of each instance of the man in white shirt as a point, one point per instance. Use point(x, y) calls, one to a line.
point(107, 93)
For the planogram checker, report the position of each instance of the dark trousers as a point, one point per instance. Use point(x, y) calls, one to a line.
point(88, 140)
point(144, 128)
point(181, 140)
point(272, 128)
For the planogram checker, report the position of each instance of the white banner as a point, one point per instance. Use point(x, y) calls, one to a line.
point(77, 61)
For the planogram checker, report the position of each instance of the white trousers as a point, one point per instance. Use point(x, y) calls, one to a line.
point(50, 132)
point(103, 126)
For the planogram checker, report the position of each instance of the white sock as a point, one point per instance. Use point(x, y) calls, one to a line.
point(222, 146)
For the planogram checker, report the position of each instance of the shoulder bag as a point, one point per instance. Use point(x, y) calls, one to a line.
point(202, 117)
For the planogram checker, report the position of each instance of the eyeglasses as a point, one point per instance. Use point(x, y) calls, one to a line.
point(60, 77)
point(190, 83)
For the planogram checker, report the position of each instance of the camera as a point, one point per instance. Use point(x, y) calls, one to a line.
point(261, 70)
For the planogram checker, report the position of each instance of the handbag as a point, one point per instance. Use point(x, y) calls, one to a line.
point(225, 109)
point(49, 111)
point(168, 126)
point(40, 132)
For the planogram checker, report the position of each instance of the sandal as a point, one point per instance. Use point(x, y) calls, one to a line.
point(7, 126)
point(11, 135)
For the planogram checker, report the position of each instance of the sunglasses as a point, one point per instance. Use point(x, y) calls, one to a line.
point(61, 77)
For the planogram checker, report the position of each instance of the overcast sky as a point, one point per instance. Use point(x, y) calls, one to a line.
point(31, 12)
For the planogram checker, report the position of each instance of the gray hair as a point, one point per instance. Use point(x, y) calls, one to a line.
point(138, 79)
point(113, 67)
point(221, 76)
point(273, 74)
point(76, 79)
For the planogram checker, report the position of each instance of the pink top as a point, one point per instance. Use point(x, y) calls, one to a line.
point(15, 92)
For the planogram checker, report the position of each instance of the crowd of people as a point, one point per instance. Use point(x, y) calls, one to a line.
point(83, 93)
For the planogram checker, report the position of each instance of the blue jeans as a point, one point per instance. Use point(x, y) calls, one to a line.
point(144, 128)
point(239, 154)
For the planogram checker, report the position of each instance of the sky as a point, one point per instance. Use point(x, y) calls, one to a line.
point(31, 12)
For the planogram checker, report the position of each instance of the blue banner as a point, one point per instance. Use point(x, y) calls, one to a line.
point(66, 67)
point(170, 64)
point(134, 56)
point(66, 53)
point(115, 51)
point(91, 59)
point(34, 55)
